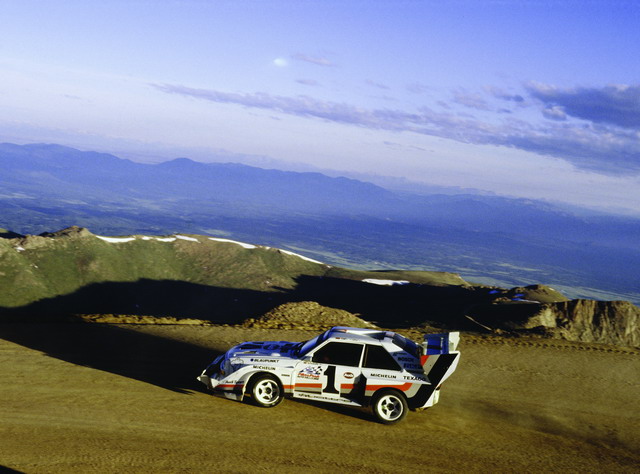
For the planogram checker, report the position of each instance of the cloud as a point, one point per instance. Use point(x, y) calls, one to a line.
point(377, 85)
point(308, 82)
point(474, 101)
point(554, 112)
point(617, 105)
point(417, 88)
point(280, 62)
point(596, 147)
point(586, 148)
point(302, 106)
point(499, 93)
point(317, 60)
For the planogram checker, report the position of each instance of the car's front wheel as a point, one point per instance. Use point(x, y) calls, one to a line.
point(389, 406)
point(266, 391)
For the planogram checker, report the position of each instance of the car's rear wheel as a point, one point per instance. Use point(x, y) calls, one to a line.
point(266, 391)
point(389, 406)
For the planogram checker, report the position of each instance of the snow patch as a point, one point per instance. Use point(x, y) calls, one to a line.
point(20, 249)
point(184, 237)
point(375, 281)
point(301, 256)
point(165, 239)
point(116, 240)
point(242, 244)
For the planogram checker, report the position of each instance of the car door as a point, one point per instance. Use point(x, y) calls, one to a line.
point(331, 372)
point(380, 370)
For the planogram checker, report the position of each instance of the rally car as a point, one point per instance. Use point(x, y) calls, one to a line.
point(350, 366)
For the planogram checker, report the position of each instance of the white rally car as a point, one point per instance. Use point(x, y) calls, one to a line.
point(350, 366)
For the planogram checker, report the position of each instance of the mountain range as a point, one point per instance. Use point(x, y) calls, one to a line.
point(340, 221)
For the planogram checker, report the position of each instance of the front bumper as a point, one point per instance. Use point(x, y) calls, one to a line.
point(210, 382)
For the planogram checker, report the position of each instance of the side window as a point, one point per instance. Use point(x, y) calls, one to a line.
point(339, 353)
point(377, 357)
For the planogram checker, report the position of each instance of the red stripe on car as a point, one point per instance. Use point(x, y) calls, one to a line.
point(404, 387)
point(309, 385)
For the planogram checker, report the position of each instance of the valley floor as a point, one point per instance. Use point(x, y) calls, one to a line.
point(100, 398)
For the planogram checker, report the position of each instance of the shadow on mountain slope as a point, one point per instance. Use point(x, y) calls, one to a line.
point(394, 306)
point(157, 298)
point(156, 360)
point(173, 364)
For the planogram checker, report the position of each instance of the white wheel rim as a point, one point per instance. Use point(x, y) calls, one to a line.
point(390, 407)
point(267, 391)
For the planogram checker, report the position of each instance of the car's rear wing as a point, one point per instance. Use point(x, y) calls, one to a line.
point(439, 360)
point(444, 343)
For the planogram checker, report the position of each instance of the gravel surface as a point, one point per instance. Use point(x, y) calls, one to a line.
point(102, 398)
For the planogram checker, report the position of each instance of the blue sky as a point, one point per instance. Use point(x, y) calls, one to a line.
point(534, 99)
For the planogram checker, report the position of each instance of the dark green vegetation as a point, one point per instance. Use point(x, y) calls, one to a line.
point(340, 221)
point(75, 272)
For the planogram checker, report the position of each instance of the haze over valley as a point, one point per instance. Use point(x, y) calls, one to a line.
point(486, 239)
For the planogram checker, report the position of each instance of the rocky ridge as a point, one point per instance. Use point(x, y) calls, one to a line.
point(306, 315)
point(607, 322)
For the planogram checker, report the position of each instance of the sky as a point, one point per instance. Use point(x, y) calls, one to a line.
point(532, 98)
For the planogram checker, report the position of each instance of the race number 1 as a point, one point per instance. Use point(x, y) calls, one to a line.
point(330, 372)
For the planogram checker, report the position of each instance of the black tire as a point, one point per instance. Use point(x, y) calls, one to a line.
point(389, 406)
point(266, 391)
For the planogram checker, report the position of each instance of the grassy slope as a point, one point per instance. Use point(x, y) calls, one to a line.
point(77, 272)
point(49, 267)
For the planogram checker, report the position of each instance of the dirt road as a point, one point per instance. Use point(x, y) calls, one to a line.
point(98, 398)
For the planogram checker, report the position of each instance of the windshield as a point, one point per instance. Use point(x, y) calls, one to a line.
point(311, 343)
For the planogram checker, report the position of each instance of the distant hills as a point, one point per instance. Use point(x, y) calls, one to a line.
point(74, 273)
point(345, 222)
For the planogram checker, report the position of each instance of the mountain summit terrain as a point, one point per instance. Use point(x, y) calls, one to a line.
point(76, 273)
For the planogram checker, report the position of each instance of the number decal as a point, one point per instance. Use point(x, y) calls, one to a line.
point(330, 372)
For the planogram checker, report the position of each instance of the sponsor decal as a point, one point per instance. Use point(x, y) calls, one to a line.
point(269, 361)
point(315, 397)
point(384, 376)
point(348, 375)
point(412, 366)
point(422, 379)
point(311, 372)
point(308, 376)
point(406, 359)
point(263, 367)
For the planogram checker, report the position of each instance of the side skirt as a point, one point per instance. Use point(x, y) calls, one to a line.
point(323, 398)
